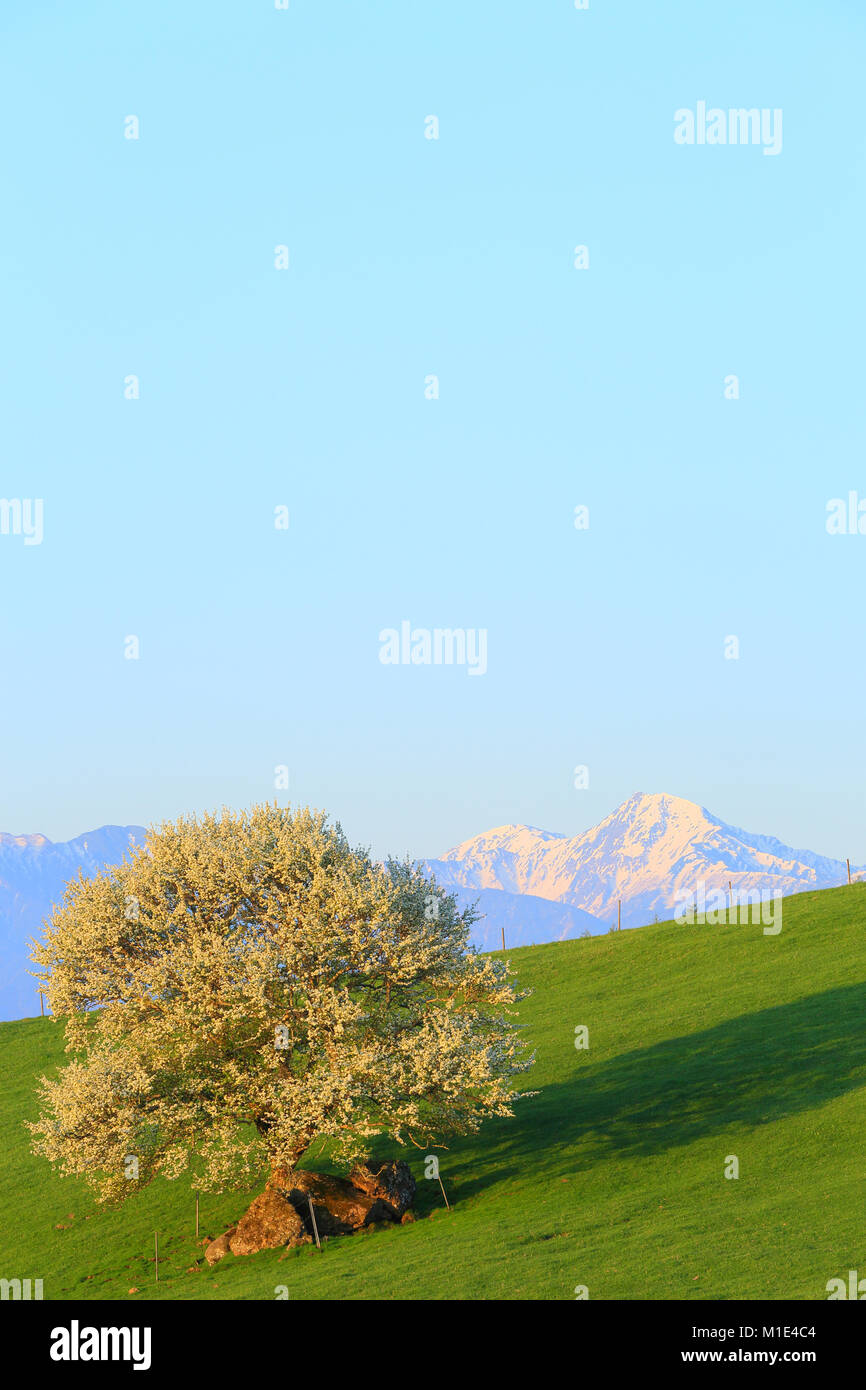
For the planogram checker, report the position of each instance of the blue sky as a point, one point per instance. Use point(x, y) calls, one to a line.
point(305, 387)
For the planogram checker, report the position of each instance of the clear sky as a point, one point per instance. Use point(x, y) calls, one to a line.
point(411, 257)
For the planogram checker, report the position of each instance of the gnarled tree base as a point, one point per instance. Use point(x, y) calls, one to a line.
point(280, 1216)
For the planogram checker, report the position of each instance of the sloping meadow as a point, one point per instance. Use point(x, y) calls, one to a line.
point(698, 1135)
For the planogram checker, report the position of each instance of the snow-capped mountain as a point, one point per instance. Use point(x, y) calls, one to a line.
point(33, 872)
point(645, 853)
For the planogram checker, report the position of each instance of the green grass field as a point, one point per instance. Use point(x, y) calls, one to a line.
point(705, 1042)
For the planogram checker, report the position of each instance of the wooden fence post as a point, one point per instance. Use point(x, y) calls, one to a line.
point(315, 1227)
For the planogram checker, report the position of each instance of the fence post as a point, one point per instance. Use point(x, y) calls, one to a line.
point(315, 1227)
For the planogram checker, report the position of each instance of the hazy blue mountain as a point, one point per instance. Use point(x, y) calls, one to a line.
point(526, 919)
point(33, 872)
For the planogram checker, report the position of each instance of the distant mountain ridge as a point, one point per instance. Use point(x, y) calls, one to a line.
point(534, 884)
point(33, 873)
point(643, 854)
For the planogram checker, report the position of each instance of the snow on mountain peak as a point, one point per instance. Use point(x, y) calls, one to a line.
point(642, 854)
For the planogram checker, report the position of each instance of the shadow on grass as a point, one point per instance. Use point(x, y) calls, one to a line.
point(749, 1070)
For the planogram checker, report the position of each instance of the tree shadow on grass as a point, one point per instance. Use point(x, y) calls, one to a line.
point(751, 1070)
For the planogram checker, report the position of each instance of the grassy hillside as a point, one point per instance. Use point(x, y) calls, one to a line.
point(705, 1042)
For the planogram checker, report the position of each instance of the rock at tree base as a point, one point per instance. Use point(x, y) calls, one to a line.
point(270, 1221)
point(391, 1182)
point(281, 1214)
point(218, 1247)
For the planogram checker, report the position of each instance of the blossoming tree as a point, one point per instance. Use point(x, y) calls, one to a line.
point(244, 984)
